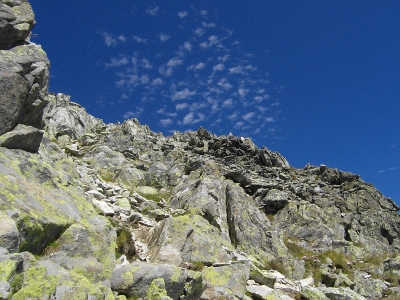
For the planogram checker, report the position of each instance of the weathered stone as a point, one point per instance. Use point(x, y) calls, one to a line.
point(22, 137)
point(188, 238)
point(227, 282)
point(16, 21)
point(136, 280)
point(87, 247)
point(9, 235)
point(23, 86)
point(341, 294)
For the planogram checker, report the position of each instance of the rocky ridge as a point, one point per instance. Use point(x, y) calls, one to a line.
point(115, 211)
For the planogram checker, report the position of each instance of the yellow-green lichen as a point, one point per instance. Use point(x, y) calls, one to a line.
point(156, 289)
point(8, 269)
point(216, 277)
point(36, 285)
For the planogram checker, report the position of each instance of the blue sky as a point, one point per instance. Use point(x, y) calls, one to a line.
point(317, 81)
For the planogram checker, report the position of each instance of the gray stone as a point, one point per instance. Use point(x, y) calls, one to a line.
point(22, 137)
point(16, 21)
point(23, 86)
point(9, 234)
point(341, 294)
point(135, 280)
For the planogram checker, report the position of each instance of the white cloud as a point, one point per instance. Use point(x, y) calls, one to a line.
point(118, 62)
point(203, 13)
point(163, 37)
point(122, 38)
point(145, 64)
point(157, 81)
point(144, 79)
point(228, 103)
point(199, 66)
point(275, 104)
point(219, 67)
point(166, 122)
point(181, 106)
point(270, 119)
point(139, 39)
point(165, 71)
point(225, 84)
point(243, 92)
point(223, 58)
point(190, 118)
point(184, 94)
point(208, 25)
point(133, 114)
point(249, 116)
point(212, 40)
point(182, 14)
point(233, 116)
point(187, 46)
point(239, 124)
point(173, 62)
point(258, 98)
point(199, 31)
point(237, 70)
point(152, 11)
point(262, 109)
point(111, 41)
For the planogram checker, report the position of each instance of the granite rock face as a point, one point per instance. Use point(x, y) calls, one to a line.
point(24, 68)
point(116, 211)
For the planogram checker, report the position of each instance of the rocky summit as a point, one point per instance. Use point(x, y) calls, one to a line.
point(115, 211)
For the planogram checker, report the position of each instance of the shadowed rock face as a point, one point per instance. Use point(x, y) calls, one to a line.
point(24, 69)
point(115, 211)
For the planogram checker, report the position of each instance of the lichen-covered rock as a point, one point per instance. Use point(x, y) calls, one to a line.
point(226, 282)
point(22, 137)
point(341, 294)
point(16, 21)
point(249, 229)
point(88, 248)
point(39, 197)
point(137, 279)
point(188, 238)
point(47, 280)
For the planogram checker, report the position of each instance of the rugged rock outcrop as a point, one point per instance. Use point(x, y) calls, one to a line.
point(96, 211)
point(24, 68)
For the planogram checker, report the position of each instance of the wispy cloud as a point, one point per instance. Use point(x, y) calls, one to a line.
point(219, 67)
point(139, 39)
point(191, 118)
point(198, 66)
point(153, 11)
point(208, 25)
point(110, 40)
point(166, 122)
point(163, 37)
point(118, 62)
point(133, 114)
point(388, 170)
point(181, 106)
point(184, 94)
point(199, 31)
point(270, 119)
point(182, 14)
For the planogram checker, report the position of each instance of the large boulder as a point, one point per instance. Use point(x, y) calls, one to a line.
point(24, 74)
point(22, 137)
point(140, 279)
point(40, 196)
point(16, 21)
